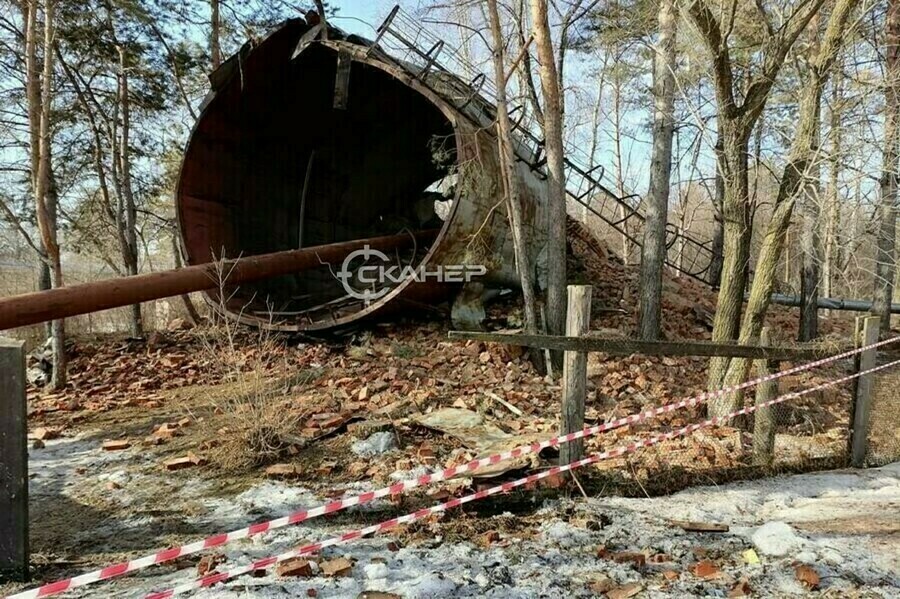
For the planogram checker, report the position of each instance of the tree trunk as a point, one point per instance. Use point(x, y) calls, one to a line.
point(810, 242)
point(136, 322)
point(810, 250)
point(717, 248)
point(736, 121)
point(215, 49)
point(45, 282)
point(830, 259)
point(735, 241)
point(653, 252)
point(620, 169)
point(595, 129)
point(885, 260)
point(556, 179)
point(510, 181)
point(39, 90)
point(793, 180)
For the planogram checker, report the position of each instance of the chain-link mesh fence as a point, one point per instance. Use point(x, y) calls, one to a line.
point(884, 417)
point(809, 432)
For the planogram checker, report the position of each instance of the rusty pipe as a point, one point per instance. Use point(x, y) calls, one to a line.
point(63, 302)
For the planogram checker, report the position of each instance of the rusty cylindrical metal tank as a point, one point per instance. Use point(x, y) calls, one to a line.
point(305, 142)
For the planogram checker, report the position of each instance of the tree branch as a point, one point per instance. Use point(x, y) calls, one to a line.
point(711, 32)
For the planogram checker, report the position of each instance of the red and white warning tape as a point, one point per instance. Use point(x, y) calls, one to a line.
point(264, 563)
point(166, 555)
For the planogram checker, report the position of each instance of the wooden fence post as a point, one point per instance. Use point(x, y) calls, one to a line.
point(13, 462)
point(574, 390)
point(764, 418)
point(869, 327)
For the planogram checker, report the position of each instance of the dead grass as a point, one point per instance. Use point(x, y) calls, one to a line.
point(250, 424)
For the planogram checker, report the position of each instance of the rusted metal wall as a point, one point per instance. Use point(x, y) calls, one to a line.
point(270, 145)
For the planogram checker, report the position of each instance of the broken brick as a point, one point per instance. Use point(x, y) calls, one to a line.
point(638, 559)
point(44, 434)
point(706, 569)
point(294, 567)
point(283, 471)
point(179, 463)
point(740, 589)
point(117, 445)
point(600, 584)
point(337, 567)
point(208, 563)
point(490, 537)
point(625, 591)
point(807, 576)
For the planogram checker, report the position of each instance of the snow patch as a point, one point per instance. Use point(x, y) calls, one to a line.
point(777, 539)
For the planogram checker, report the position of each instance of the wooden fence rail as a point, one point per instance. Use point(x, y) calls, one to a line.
point(616, 346)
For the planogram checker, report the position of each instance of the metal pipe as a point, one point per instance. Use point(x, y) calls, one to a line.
point(829, 303)
point(63, 302)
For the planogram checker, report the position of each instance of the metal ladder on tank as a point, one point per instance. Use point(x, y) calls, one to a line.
point(420, 53)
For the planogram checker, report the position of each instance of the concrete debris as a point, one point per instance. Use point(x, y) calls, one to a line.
point(376, 444)
point(776, 539)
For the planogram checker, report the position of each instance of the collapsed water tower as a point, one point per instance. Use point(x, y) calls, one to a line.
point(308, 139)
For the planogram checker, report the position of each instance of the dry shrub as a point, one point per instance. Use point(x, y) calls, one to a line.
point(252, 413)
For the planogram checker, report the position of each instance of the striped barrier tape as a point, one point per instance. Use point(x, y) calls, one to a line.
point(166, 555)
point(264, 563)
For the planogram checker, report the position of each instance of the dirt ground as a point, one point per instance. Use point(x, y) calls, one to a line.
point(220, 427)
point(93, 507)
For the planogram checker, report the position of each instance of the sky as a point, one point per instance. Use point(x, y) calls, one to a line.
point(351, 12)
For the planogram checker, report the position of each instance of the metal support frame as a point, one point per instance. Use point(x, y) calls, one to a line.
point(527, 129)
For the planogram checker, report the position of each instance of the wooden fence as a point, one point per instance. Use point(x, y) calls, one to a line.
point(578, 342)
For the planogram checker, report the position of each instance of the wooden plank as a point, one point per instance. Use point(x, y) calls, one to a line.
point(764, 418)
point(13, 462)
point(690, 526)
point(869, 328)
point(627, 347)
point(574, 388)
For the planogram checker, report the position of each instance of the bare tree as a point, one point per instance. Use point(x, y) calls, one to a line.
point(736, 121)
point(39, 94)
point(509, 178)
point(653, 249)
point(833, 207)
point(112, 131)
point(886, 258)
point(802, 156)
point(215, 26)
point(556, 180)
point(810, 243)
